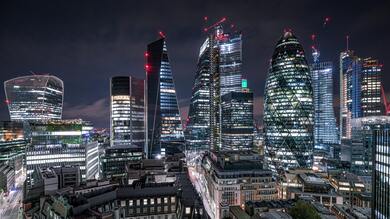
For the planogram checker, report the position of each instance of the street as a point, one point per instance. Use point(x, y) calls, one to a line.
point(10, 205)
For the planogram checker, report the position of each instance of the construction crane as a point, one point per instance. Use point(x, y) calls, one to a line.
point(206, 29)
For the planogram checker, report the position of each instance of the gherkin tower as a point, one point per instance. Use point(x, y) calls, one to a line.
point(288, 107)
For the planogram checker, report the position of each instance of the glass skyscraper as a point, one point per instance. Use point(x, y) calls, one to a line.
point(371, 84)
point(34, 97)
point(380, 203)
point(350, 71)
point(218, 73)
point(164, 127)
point(127, 111)
point(288, 107)
point(360, 90)
point(198, 123)
point(237, 121)
point(325, 130)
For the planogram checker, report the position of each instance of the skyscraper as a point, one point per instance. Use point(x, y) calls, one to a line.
point(198, 124)
point(380, 203)
point(225, 76)
point(360, 90)
point(34, 97)
point(325, 131)
point(371, 84)
point(288, 107)
point(218, 73)
point(237, 121)
point(164, 128)
point(350, 72)
point(127, 111)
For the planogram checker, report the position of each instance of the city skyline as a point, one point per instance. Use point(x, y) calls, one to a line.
point(115, 42)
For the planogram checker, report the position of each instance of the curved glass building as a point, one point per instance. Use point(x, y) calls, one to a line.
point(34, 97)
point(288, 107)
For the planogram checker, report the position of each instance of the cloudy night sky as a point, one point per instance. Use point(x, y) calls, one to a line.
point(86, 42)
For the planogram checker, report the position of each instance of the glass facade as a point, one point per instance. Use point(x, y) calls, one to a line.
point(325, 130)
point(127, 111)
point(371, 84)
point(237, 121)
point(361, 143)
point(288, 107)
point(12, 144)
point(380, 203)
point(34, 97)
point(218, 73)
point(62, 142)
point(164, 127)
point(115, 159)
point(198, 123)
point(350, 71)
point(360, 90)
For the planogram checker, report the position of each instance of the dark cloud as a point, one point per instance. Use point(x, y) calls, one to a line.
point(95, 111)
point(87, 42)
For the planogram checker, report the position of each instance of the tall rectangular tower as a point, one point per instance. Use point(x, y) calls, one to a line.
point(371, 102)
point(127, 111)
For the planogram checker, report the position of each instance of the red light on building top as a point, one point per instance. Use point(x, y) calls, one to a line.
point(313, 37)
point(7, 101)
point(146, 54)
point(205, 18)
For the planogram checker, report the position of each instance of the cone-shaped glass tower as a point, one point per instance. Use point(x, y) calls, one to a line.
point(288, 107)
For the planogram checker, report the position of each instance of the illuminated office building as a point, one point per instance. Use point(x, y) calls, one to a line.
point(34, 97)
point(371, 84)
point(198, 123)
point(127, 111)
point(362, 141)
point(115, 159)
point(325, 130)
point(360, 90)
point(288, 107)
point(219, 72)
point(380, 203)
point(13, 143)
point(59, 143)
point(164, 128)
point(350, 95)
point(237, 121)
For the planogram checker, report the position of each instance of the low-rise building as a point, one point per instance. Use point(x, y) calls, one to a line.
point(116, 158)
point(177, 200)
point(235, 177)
point(348, 211)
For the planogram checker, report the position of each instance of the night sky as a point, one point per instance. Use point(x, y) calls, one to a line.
point(86, 42)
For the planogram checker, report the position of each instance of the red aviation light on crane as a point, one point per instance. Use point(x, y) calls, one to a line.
point(162, 35)
point(7, 102)
point(205, 18)
point(313, 37)
point(146, 54)
point(215, 24)
point(326, 21)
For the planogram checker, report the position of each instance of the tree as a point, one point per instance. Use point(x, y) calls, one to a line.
point(303, 210)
